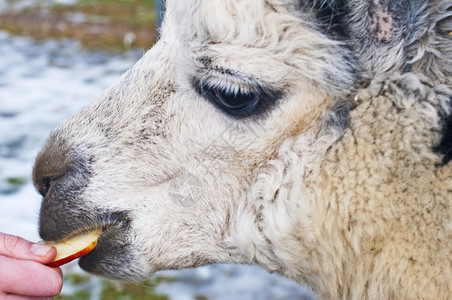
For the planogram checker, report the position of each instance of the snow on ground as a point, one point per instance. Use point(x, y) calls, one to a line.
point(18, 5)
point(41, 84)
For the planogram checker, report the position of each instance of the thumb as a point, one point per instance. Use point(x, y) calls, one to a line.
point(19, 248)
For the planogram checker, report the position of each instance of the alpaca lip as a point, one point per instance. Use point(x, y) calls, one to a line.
point(113, 252)
point(74, 234)
point(108, 232)
point(60, 225)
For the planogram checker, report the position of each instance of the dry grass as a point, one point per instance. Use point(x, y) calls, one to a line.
point(97, 24)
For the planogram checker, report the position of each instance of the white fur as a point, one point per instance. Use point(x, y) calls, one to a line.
point(357, 211)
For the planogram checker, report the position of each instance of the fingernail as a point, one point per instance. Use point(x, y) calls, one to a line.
point(40, 250)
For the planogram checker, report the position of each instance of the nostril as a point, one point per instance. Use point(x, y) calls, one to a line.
point(52, 163)
point(45, 186)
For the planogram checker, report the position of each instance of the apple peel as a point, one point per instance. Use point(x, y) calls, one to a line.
point(74, 247)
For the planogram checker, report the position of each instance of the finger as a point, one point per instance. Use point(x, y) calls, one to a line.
point(17, 297)
point(17, 247)
point(29, 278)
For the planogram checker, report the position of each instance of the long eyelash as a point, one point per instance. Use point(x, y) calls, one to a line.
point(228, 86)
point(267, 96)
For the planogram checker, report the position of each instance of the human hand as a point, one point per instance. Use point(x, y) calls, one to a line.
point(23, 274)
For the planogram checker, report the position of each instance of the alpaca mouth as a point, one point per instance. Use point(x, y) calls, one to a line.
point(60, 225)
point(108, 238)
point(114, 254)
point(111, 248)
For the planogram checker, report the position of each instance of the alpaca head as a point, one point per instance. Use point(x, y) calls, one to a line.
point(227, 110)
point(166, 158)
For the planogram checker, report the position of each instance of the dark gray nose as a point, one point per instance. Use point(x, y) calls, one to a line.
point(61, 174)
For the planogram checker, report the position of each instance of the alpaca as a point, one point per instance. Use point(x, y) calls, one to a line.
point(310, 137)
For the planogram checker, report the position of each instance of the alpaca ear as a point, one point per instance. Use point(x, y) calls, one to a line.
point(375, 20)
point(383, 21)
point(330, 16)
point(379, 31)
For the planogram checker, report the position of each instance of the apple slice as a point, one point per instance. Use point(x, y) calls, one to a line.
point(74, 247)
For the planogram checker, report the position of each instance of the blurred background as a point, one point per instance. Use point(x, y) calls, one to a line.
point(55, 57)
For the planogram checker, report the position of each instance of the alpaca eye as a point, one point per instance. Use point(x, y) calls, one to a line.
point(249, 99)
point(235, 102)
